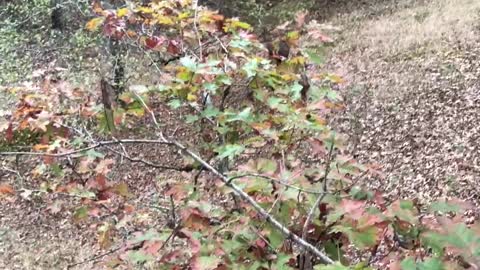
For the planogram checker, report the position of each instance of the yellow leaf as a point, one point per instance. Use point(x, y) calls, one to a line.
point(93, 24)
point(40, 147)
point(164, 20)
point(191, 97)
point(145, 10)
point(334, 78)
point(122, 12)
point(183, 15)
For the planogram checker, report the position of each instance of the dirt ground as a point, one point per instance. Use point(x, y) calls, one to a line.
point(412, 91)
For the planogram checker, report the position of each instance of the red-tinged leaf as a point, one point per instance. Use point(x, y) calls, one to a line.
point(379, 200)
point(353, 209)
point(127, 208)
point(98, 183)
point(194, 243)
point(173, 47)
point(94, 212)
point(318, 147)
point(171, 257)
point(105, 195)
point(48, 160)
point(9, 133)
point(260, 243)
point(6, 189)
point(300, 18)
point(114, 28)
point(154, 41)
point(178, 191)
point(195, 220)
point(152, 247)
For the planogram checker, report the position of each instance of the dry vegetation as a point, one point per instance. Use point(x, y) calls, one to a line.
point(413, 96)
point(413, 102)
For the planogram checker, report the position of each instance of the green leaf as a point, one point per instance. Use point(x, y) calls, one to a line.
point(241, 25)
point(266, 165)
point(210, 111)
point(80, 214)
point(334, 251)
point(229, 150)
point(429, 264)
point(189, 62)
point(139, 257)
point(175, 103)
point(445, 207)
point(314, 57)
point(81, 193)
point(189, 119)
point(365, 238)
point(151, 235)
point(282, 262)
point(275, 237)
point(295, 91)
point(208, 262)
point(251, 68)
point(94, 154)
point(245, 115)
point(408, 264)
point(242, 44)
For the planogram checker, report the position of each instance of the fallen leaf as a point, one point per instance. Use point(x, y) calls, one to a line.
point(6, 189)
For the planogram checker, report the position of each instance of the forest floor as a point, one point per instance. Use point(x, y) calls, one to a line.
point(412, 92)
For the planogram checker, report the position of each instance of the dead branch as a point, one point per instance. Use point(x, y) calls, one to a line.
point(78, 151)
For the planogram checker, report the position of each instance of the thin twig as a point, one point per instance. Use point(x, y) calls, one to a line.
point(94, 258)
point(81, 150)
point(320, 198)
point(195, 28)
point(187, 168)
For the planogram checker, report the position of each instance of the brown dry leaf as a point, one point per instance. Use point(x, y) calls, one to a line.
point(122, 189)
point(105, 236)
point(6, 189)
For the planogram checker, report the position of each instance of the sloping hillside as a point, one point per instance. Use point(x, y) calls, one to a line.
point(413, 93)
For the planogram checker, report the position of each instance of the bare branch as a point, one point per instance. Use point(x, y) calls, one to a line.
point(78, 151)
